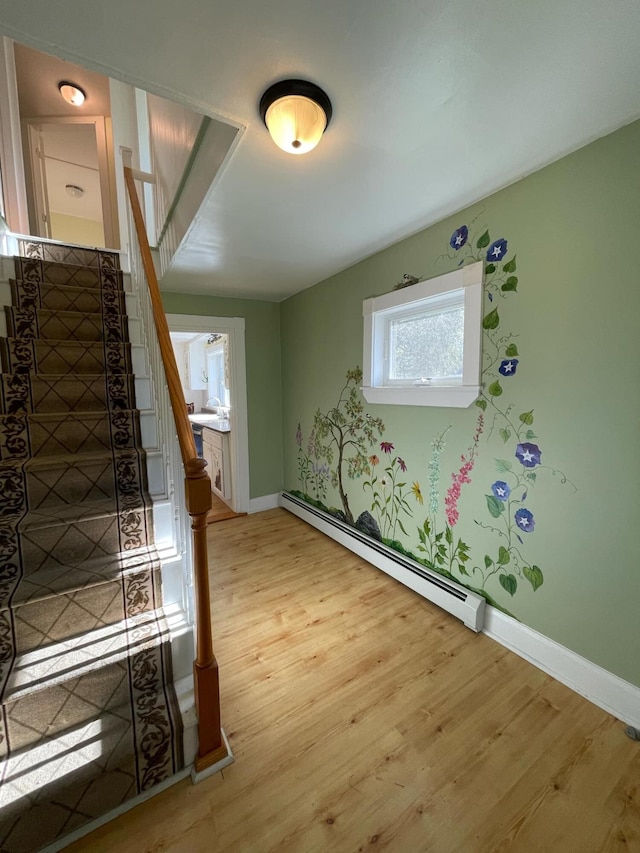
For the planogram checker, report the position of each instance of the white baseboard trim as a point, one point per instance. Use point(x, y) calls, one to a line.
point(606, 690)
point(264, 502)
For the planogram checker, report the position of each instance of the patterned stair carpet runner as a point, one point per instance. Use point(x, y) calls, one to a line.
point(89, 712)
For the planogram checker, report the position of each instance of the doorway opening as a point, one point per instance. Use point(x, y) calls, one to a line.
point(70, 180)
point(61, 154)
point(210, 354)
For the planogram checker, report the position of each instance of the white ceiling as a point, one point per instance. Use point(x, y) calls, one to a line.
point(437, 103)
point(38, 77)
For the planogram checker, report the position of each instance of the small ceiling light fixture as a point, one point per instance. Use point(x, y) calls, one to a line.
point(296, 114)
point(74, 190)
point(72, 93)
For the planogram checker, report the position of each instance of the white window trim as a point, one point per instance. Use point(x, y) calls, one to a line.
point(459, 395)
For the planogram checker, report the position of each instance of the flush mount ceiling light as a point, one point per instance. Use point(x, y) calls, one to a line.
point(296, 114)
point(74, 190)
point(72, 94)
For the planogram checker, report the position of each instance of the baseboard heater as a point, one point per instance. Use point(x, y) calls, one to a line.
point(455, 599)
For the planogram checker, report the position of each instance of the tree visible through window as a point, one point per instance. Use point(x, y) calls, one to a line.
point(427, 347)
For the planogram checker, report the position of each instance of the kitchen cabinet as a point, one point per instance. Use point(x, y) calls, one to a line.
point(215, 449)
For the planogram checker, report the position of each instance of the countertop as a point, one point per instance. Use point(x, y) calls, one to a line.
point(211, 422)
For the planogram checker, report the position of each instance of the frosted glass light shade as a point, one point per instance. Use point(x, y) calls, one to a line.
point(72, 94)
point(74, 190)
point(296, 123)
point(296, 114)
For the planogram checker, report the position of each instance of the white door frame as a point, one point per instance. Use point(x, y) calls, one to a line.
point(11, 158)
point(239, 435)
point(98, 123)
point(42, 214)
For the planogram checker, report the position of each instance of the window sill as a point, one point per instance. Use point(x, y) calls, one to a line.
point(454, 396)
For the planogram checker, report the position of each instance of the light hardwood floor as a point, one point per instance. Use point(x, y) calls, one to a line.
point(220, 511)
point(363, 718)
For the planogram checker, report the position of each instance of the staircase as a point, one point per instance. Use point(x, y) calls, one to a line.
point(89, 711)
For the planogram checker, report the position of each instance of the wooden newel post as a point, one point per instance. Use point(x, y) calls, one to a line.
point(205, 668)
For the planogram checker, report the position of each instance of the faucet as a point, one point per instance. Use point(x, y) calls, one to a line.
point(213, 402)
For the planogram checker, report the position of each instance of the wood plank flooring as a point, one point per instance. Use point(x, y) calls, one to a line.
point(220, 511)
point(363, 718)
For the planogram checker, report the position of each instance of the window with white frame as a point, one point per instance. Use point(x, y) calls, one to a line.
point(422, 344)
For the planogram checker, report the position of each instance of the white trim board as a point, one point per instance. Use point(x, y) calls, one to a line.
point(11, 156)
point(239, 436)
point(264, 502)
point(606, 690)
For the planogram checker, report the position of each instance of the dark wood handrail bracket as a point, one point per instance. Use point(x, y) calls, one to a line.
point(211, 745)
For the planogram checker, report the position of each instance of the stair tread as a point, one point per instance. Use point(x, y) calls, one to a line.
point(47, 377)
point(65, 580)
point(64, 514)
point(64, 312)
point(55, 758)
point(45, 666)
point(78, 287)
point(72, 343)
point(93, 760)
point(73, 266)
point(38, 417)
point(60, 760)
point(54, 356)
point(60, 515)
point(68, 460)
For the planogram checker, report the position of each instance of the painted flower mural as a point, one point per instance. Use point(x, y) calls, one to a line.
point(497, 250)
point(389, 495)
point(501, 490)
point(462, 476)
point(529, 454)
point(524, 519)
point(459, 237)
point(501, 357)
point(508, 366)
point(345, 445)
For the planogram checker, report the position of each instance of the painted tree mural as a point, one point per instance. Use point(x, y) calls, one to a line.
point(345, 432)
point(342, 441)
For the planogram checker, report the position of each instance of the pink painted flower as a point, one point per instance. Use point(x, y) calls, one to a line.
point(402, 464)
point(462, 476)
point(386, 446)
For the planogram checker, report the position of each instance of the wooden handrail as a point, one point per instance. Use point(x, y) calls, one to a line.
point(211, 746)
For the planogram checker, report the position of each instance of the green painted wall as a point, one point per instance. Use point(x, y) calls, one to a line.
point(574, 321)
point(264, 392)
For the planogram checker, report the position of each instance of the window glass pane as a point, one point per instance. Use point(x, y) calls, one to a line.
point(427, 346)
